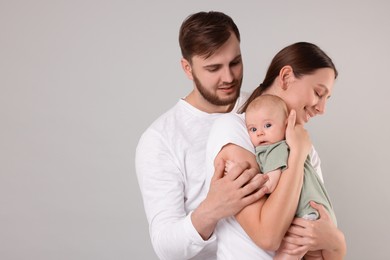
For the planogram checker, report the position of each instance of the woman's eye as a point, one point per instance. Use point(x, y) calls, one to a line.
point(318, 94)
point(267, 125)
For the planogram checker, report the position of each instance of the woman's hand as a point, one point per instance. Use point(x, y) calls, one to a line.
point(322, 234)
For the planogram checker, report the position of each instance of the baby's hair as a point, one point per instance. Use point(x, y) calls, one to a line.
point(268, 100)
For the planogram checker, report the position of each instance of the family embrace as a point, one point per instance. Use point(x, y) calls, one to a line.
point(230, 175)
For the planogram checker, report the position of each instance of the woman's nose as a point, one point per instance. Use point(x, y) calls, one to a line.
point(320, 106)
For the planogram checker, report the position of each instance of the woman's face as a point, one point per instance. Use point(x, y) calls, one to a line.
point(308, 94)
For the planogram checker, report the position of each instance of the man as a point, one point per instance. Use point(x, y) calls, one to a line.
point(170, 159)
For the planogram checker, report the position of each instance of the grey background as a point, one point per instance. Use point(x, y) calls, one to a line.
point(81, 80)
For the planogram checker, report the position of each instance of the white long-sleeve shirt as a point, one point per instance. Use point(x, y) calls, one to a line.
point(171, 171)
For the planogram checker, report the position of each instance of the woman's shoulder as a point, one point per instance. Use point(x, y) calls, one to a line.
point(231, 118)
point(229, 124)
point(230, 128)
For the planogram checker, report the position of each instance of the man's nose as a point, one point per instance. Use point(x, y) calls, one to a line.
point(227, 75)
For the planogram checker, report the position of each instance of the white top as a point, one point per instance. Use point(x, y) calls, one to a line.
point(233, 242)
point(171, 171)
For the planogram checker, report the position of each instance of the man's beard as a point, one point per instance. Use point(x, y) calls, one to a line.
point(214, 99)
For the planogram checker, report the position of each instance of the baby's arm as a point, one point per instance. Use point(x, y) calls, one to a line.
point(273, 179)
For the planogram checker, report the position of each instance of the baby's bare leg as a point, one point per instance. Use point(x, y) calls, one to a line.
point(229, 165)
point(280, 255)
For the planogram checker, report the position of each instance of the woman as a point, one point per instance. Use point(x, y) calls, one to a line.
point(303, 76)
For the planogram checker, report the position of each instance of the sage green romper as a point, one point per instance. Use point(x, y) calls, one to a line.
point(275, 156)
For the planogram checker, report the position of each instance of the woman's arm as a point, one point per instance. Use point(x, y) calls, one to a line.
point(267, 222)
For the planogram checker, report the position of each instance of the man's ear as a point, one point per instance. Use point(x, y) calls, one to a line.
point(286, 76)
point(185, 64)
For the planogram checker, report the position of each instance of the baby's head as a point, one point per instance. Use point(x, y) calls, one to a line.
point(266, 120)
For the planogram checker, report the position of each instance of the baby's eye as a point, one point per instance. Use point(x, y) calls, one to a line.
point(268, 125)
point(252, 129)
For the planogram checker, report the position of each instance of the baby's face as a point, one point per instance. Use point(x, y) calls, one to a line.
point(265, 125)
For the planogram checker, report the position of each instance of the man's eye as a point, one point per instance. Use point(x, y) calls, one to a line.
point(212, 68)
point(267, 125)
point(235, 63)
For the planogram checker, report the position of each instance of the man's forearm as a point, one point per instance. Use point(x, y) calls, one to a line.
point(178, 240)
point(203, 221)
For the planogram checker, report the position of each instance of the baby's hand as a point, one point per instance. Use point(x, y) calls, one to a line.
point(229, 165)
point(297, 137)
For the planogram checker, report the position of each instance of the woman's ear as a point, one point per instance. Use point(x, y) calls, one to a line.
point(286, 76)
point(185, 64)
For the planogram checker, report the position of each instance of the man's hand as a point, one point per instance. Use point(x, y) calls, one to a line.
point(228, 195)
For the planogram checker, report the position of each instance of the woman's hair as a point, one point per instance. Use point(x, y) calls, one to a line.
point(203, 33)
point(304, 58)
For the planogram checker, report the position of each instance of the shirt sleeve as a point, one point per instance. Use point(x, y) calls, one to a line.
point(227, 129)
point(172, 234)
point(316, 163)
